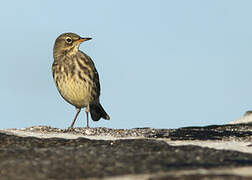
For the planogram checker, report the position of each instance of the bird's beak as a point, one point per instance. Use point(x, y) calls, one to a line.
point(83, 39)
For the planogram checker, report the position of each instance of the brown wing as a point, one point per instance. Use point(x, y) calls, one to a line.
point(95, 75)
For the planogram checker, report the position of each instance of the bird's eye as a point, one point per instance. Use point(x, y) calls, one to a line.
point(68, 40)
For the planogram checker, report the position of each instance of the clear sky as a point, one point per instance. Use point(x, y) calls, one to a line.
point(162, 63)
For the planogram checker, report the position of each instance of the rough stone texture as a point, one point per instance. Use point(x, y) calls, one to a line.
point(214, 132)
point(55, 158)
point(202, 177)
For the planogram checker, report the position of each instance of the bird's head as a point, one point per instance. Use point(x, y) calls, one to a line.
point(68, 43)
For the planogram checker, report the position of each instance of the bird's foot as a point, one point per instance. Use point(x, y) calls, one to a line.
point(70, 129)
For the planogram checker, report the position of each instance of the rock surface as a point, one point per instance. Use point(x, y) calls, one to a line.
point(142, 153)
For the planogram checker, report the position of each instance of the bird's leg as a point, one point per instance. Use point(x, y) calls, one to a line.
point(87, 111)
point(75, 117)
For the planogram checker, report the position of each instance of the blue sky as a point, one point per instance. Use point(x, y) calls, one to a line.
point(162, 64)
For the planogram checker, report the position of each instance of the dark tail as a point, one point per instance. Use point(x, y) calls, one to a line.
point(97, 112)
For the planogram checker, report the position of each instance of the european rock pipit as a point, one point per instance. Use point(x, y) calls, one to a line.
point(76, 77)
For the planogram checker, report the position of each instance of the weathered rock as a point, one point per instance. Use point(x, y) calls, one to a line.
point(57, 158)
point(214, 132)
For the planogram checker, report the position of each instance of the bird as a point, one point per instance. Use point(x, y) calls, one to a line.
point(76, 77)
